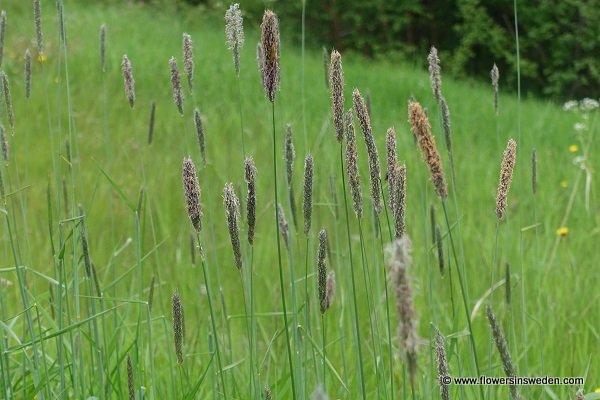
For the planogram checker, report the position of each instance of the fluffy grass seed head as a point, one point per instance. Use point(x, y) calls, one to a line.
point(200, 134)
point(392, 152)
point(440, 249)
point(37, 19)
point(398, 199)
point(322, 271)
point(8, 101)
point(399, 260)
point(176, 85)
point(267, 395)
point(102, 46)
point(129, 81)
point(130, 383)
point(191, 189)
point(232, 214)
point(360, 108)
point(178, 327)
point(250, 177)
point(442, 365)
point(435, 76)
point(495, 76)
point(283, 225)
point(352, 165)
point(270, 43)
point(506, 174)
point(234, 33)
point(422, 132)
point(188, 59)
point(27, 73)
point(2, 34)
point(4, 143)
point(308, 189)
point(290, 153)
point(336, 82)
point(502, 347)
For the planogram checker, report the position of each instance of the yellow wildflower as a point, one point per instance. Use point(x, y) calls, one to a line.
point(573, 148)
point(564, 184)
point(42, 57)
point(562, 231)
point(597, 390)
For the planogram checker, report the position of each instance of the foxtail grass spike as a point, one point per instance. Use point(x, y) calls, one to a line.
point(102, 47)
point(151, 293)
point(502, 347)
point(200, 134)
point(27, 73)
point(442, 365)
point(336, 82)
point(250, 177)
point(270, 43)
point(130, 383)
point(129, 81)
point(392, 153)
point(2, 34)
point(446, 123)
point(191, 189)
point(308, 189)
point(435, 76)
point(234, 33)
point(399, 260)
point(4, 143)
point(37, 19)
point(533, 171)
point(267, 395)
point(579, 395)
point(176, 85)
point(188, 59)
point(84, 245)
point(398, 199)
point(322, 270)
point(440, 248)
point(290, 156)
point(232, 214)
point(422, 132)
point(2, 190)
point(8, 102)
point(330, 287)
point(283, 225)
point(368, 103)
point(325, 55)
point(364, 121)
point(506, 174)
point(495, 75)
point(151, 123)
point(96, 281)
point(352, 162)
point(178, 327)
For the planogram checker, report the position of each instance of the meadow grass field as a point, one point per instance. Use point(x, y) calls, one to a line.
point(96, 241)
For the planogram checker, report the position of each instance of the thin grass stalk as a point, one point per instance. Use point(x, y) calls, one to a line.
point(356, 319)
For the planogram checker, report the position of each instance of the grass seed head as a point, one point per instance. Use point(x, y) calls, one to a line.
point(129, 81)
point(200, 134)
point(352, 165)
point(290, 154)
point(37, 19)
point(446, 125)
point(442, 365)
point(506, 174)
point(4, 143)
point(308, 189)
point(422, 132)
point(232, 214)
point(440, 248)
point(27, 73)
point(191, 189)
point(283, 225)
point(399, 260)
point(322, 271)
point(176, 85)
point(435, 76)
point(336, 82)
point(495, 75)
point(130, 383)
point(188, 59)
point(178, 327)
point(151, 123)
point(398, 199)
point(2, 34)
point(234, 33)
point(392, 153)
point(250, 177)
point(8, 101)
point(270, 53)
point(502, 347)
point(364, 121)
